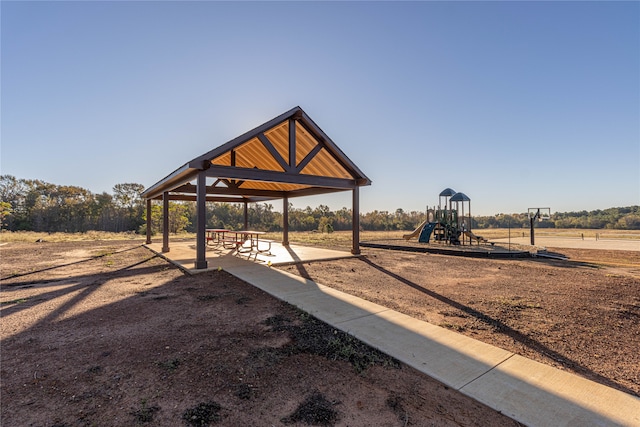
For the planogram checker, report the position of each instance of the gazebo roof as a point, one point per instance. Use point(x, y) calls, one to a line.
point(288, 156)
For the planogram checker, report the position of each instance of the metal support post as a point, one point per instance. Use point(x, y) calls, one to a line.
point(165, 221)
point(201, 221)
point(148, 221)
point(285, 221)
point(355, 248)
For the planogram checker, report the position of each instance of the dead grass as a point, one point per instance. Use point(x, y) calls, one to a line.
point(33, 236)
point(338, 239)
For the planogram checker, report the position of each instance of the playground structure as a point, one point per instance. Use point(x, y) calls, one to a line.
point(448, 225)
point(448, 222)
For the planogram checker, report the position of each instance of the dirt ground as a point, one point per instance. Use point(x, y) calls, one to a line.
point(581, 315)
point(107, 334)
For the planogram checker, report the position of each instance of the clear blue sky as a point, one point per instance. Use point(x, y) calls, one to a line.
point(516, 104)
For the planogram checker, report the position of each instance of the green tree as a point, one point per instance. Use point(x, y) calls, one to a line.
point(5, 211)
point(178, 218)
point(103, 211)
point(129, 205)
point(343, 219)
point(14, 191)
point(325, 225)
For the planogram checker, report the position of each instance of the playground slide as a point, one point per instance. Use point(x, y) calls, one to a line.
point(425, 234)
point(416, 232)
point(476, 238)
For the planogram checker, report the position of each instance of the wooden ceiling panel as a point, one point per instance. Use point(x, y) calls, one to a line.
point(253, 154)
point(223, 160)
point(323, 164)
point(305, 142)
point(275, 186)
point(279, 137)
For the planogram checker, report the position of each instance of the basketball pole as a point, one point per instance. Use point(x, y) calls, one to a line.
point(545, 214)
point(531, 220)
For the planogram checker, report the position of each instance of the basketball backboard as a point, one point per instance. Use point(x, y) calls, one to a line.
point(539, 213)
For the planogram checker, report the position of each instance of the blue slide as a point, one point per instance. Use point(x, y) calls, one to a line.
point(425, 234)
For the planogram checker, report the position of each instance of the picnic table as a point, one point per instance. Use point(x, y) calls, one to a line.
point(215, 236)
point(242, 241)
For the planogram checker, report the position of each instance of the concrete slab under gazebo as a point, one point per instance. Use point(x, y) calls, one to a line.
point(183, 251)
point(286, 157)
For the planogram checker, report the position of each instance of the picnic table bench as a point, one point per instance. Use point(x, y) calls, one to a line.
point(230, 239)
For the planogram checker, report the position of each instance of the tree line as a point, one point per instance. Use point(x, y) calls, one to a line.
point(35, 205)
point(621, 218)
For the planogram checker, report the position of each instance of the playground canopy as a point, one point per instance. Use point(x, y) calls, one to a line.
point(447, 192)
point(460, 197)
point(288, 156)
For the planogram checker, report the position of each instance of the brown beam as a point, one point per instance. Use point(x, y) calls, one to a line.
point(292, 144)
point(246, 192)
point(201, 222)
point(148, 221)
point(272, 150)
point(165, 221)
point(281, 177)
point(309, 157)
point(227, 199)
point(191, 189)
point(285, 221)
point(355, 244)
point(313, 191)
point(185, 188)
point(254, 196)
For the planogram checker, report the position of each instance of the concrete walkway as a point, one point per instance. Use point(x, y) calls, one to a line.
point(527, 391)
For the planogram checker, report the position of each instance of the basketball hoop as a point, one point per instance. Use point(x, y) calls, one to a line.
point(540, 214)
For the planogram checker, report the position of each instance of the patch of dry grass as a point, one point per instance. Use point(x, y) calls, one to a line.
point(503, 233)
point(337, 239)
point(33, 236)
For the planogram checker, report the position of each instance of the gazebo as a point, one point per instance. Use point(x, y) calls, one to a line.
point(288, 156)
